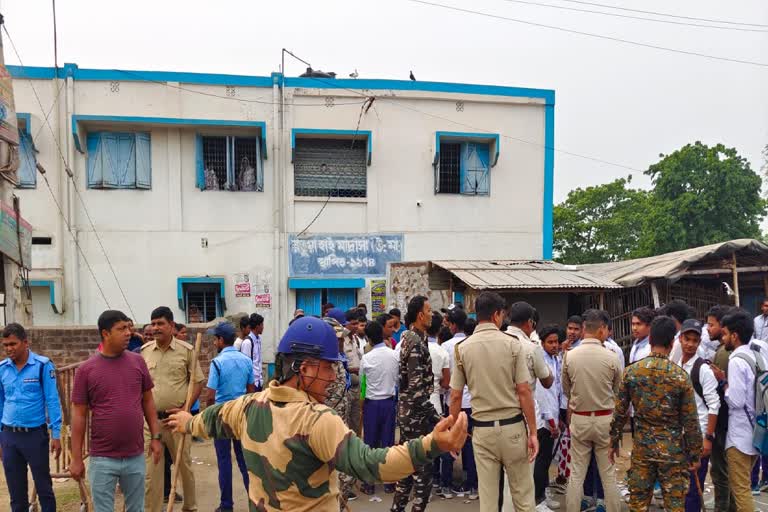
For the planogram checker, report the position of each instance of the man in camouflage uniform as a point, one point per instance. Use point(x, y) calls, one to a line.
point(294, 445)
point(667, 441)
point(417, 416)
point(337, 400)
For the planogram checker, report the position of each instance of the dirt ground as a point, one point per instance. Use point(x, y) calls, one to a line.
point(206, 472)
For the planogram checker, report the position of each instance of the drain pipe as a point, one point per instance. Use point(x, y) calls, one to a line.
point(71, 214)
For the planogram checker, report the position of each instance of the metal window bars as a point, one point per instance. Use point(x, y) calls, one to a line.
point(330, 167)
point(233, 164)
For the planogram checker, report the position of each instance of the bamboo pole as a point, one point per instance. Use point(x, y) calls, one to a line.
point(736, 281)
point(187, 406)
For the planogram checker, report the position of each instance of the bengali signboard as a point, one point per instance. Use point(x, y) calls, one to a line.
point(10, 233)
point(8, 131)
point(378, 297)
point(343, 255)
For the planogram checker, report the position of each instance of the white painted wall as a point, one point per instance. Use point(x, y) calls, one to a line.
point(154, 236)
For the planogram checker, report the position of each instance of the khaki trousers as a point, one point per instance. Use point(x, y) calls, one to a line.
point(505, 446)
point(739, 477)
point(153, 493)
point(590, 433)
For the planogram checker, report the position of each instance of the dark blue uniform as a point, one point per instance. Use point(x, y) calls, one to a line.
point(25, 397)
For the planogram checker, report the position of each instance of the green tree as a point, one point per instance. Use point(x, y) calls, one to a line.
point(600, 223)
point(701, 195)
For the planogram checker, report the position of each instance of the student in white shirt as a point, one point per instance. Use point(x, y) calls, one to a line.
point(707, 401)
point(440, 363)
point(380, 369)
point(679, 311)
point(641, 330)
point(251, 346)
point(738, 328)
point(245, 330)
point(761, 321)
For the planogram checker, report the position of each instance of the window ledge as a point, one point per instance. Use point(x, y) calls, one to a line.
point(322, 199)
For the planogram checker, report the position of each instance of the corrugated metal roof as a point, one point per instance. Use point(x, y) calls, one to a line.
point(523, 274)
point(672, 265)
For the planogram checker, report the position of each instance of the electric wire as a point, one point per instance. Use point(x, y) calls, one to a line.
point(627, 16)
point(590, 34)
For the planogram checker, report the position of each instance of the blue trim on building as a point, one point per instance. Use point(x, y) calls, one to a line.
point(180, 282)
point(303, 284)
point(73, 70)
point(27, 118)
point(549, 181)
point(168, 121)
point(323, 131)
point(46, 284)
point(481, 137)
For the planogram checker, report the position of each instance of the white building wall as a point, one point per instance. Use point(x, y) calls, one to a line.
point(155, 236)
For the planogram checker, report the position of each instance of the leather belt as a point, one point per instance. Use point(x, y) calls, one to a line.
point(8, 428)
point(501, 423)
point(604, 412)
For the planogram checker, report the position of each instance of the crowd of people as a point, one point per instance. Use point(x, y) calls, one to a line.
point(513, 400)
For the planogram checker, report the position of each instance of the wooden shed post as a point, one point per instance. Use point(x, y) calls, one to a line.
point(655, 295)
point(736, 281)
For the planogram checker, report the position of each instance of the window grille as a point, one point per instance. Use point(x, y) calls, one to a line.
point(230, 163)
point(330, 167)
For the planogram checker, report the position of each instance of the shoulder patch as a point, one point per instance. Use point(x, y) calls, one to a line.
point(43, 360)
point(513, 336)
point(148, 345)
point(184, 344)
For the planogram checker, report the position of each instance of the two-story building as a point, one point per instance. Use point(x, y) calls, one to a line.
point(218, 194)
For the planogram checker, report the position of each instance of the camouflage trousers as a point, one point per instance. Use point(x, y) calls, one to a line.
point(673, 477)
point(338, 401)
point(421, 480)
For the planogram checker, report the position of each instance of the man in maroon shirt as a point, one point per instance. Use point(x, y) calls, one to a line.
point(116, 386)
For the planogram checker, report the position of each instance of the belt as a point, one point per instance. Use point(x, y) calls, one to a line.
point(604, 412)
point(8, 428)
point(501, 423)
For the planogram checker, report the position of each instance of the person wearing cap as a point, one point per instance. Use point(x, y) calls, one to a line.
point(294, 445)
point(591, 378)
point(707, 402)
point(494, 365)
point(230, 377)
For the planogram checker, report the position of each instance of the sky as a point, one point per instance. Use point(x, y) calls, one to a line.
point(615, 102)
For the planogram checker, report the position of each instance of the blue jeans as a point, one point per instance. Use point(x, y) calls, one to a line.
point(104, 473)
point(224, 457)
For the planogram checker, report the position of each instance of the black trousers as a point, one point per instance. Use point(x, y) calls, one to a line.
point(543, 461)
point(22, 449)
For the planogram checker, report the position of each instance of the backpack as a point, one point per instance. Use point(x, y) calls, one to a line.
point(696, 378)
point(759, 368)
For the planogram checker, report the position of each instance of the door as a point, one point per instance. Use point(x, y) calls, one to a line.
point(310, 300)
point(343, 298)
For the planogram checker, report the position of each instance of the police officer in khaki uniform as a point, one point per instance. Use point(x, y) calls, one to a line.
point(591, 380)
point(494, 366)
point(170, 362)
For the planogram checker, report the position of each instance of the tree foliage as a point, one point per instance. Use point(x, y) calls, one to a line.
point(700, 195)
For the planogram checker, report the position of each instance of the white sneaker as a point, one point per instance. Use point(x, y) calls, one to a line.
point(552, 504)
point(542, 507)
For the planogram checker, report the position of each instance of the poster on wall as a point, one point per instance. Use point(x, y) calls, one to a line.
point(343, 255)
point(242, 289)
point(378, 297)
point(263, 300)
point(15, 236)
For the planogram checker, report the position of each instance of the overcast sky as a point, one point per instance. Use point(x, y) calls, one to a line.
point(615, 102)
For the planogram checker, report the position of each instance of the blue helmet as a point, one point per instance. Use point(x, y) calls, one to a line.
point(310, 337)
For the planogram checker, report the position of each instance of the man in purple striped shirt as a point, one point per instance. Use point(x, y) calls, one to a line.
point(116, 386)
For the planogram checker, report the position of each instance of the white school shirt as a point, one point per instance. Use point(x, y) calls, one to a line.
point(708, 346)
point(710, 404)
point(612, 345)
point(238, 343)
point(761, 327)
point(740, 397)
point(676, 353)
point(549, 400)
point(251, 347)
point(440, 361)
point(466, 399)
point(380, 367)
point(640, 350)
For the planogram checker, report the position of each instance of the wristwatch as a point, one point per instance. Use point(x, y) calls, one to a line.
point(157, 437)
point(710, 438)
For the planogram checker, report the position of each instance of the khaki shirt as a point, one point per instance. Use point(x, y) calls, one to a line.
point(591, 377)
point(534, 357)
point(491, 364)
point(352, 351)
point(171, 370)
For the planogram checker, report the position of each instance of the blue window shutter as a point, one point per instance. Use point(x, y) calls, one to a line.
point(474, 168)
point(310, 301)
point(199, 164)
point(110, 151)
point(125, 173)
point(95, 160)
point(27, 165)
point(342, 298)
point(143, 161)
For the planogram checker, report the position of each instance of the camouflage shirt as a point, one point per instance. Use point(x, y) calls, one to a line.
point(293, 447)
point(666, 421)
point(416, 380)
